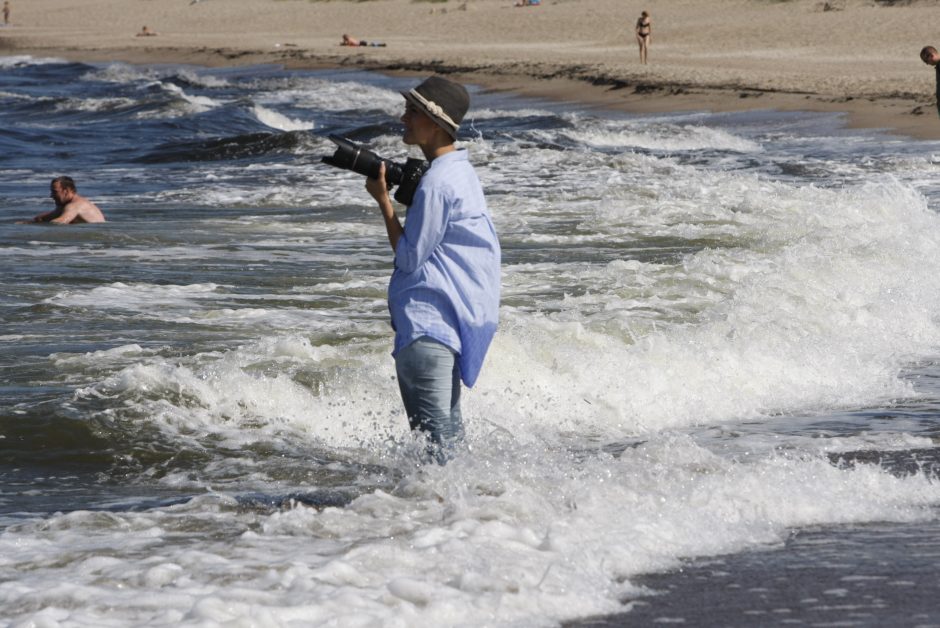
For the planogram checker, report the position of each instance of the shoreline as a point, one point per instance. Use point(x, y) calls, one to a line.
point(890, 113)
point(554, 56)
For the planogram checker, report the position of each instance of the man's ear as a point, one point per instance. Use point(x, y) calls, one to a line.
point(445, 137)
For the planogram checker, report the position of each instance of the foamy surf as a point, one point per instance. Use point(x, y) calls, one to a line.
point(717, 332)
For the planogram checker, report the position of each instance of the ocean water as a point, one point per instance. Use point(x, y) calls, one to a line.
point(716, 371)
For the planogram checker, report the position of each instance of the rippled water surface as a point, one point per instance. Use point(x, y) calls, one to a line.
point(719, 341)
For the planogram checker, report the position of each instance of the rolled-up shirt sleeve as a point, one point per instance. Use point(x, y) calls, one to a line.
point(425, 224)
point(446, 282)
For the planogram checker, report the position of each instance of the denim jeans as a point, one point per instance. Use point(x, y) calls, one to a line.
point(429, 379)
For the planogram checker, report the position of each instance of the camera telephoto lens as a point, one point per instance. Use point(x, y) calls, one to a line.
point(351, 156)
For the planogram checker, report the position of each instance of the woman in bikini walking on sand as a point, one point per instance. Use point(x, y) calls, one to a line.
point(644, 32)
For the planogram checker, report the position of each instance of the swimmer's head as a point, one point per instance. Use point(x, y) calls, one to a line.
point(929, 55)
point(62, 189)
point(66, 183)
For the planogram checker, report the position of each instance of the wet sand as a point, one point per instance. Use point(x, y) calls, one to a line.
point(871, 575)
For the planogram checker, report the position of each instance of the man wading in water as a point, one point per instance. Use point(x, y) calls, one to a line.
point(444, 293)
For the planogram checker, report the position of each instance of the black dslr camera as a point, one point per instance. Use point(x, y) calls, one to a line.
point(350, 156)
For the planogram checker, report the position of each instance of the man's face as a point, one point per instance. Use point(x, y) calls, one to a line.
point(930, 57)
point(419, 127)
point(59, 195)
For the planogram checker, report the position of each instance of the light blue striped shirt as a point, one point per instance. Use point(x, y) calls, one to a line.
point(446, 279)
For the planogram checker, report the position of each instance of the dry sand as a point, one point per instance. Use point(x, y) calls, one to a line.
point(861, 58)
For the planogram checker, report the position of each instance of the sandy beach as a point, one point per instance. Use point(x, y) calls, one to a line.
point(856, 56)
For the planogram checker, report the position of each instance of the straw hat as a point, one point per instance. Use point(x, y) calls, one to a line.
point(444, 101)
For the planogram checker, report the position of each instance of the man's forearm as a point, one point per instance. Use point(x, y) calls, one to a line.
point(392, 224)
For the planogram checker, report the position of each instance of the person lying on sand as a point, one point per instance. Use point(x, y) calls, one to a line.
point(146, 32)
point(70, 206)
point(352, 41)
point(930, 56)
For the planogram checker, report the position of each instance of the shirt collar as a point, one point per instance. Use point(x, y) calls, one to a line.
point(455, 155)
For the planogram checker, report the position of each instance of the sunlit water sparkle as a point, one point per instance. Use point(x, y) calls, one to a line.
point(717, 332)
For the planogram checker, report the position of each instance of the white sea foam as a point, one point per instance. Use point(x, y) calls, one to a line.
point(320, 390)
point(485, 113)
point(19, 61)
point(279, 121)
point(824, 312)
point(130, 74)
point(659, 321)
point(94, 104)
point(201, 79)
point(328, 96)
point(106, 356)
point(277, 187)
point(14, 96)
point(126, 295)
point(505, 538)
point(122, 73)
point(212, 306)
point(660, 137)
point(758, 336)
point(196, 104)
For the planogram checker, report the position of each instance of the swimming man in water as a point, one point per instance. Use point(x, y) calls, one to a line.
point(70, 206)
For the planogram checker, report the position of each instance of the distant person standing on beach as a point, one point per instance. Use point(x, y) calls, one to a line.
point(930, 56)
point(644, 34)
point(443, 296)
point(6, 13)
point(70, 206)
